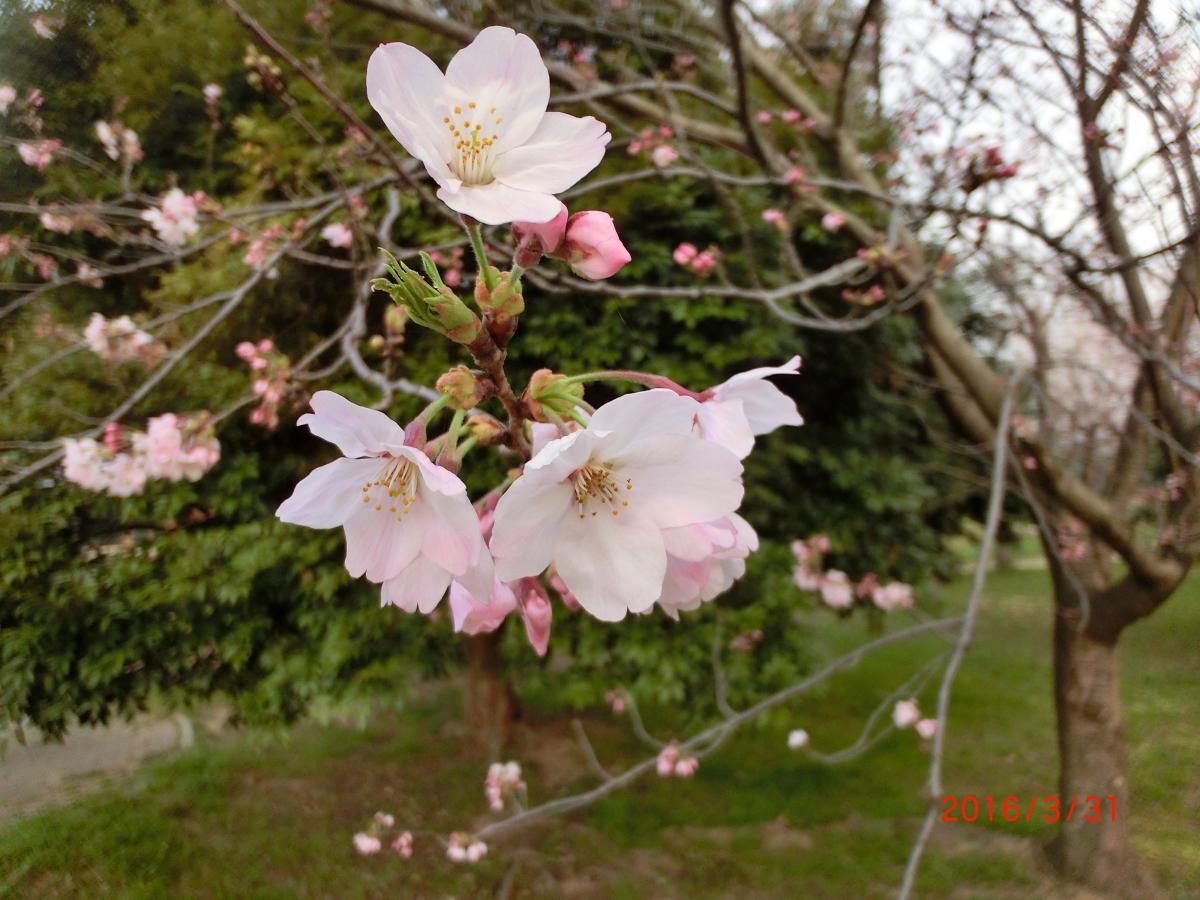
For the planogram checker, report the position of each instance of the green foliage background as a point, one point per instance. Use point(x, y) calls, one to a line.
point(195, 590)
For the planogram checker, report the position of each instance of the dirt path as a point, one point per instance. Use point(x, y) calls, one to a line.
point(45, 774)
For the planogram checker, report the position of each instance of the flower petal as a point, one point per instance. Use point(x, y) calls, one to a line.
point(356, 430)
point(723, 421)
point(681, 479)
point(766, 407)
point(451, 530)
point(526, 526)
point(419, 587)
point(612, 564)
point(406, 88)
point(379, 546)
point(634, 416)
point(561, 151)
point(502, 69)
point(472, 616)
point(330, 495)
point(498, 204)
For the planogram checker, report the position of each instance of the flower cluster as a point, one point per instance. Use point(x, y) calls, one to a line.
point(264, 245)
point(699, 261)
point(370, 842)
point(988, 166)
point(174, 220)
point(788, 117)
point(619, 509)
point(271, 370)
point(836, 589)
point(671, 763)
point(463, 847)
point(587, 241)
point(38, 154)
point(503, 780)
point(172, 448)
point(655, 141)
point(118, 340)
point(338, 235)
point(119, 142)
point(907, 714)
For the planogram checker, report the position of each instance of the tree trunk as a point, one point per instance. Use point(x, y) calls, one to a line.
point(490, 704)
point(1094, 845)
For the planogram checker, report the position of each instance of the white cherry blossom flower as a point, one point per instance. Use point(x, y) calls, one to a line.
point(409, 523)
point(482, 129)
point(597, 502)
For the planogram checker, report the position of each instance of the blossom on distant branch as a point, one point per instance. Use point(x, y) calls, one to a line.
point(38, 154)
point(174, 219)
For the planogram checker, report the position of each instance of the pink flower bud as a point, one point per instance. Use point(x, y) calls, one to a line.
point(537, 612)
point(245, 350)
point(535, 238)
point(764, 117)
point(592, 246)
point(663, 155)
point(833, 221)
point(684, 253)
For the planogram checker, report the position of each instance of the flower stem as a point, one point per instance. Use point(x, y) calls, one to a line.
point(476, 236)
point(642, 378)
point(434, 408)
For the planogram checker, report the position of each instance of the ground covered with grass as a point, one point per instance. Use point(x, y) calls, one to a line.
point(242, 816)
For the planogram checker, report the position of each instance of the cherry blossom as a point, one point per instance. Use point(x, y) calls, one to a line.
point(367, 844)
point(465, 848)
point(926, 729)
point(905, 713)
point(89, 275)
point(833, 221)
point(119, 141)
point(403, 844)
point(177, 448)
point(482, 129)
point(174, 220)
point(503, 780)
point(836, 590)
point(338, 235)
point(663, 155)
point(38, 154)
point(117, 340)
point(409, 523)
point(703, 561)
point(8, 94)
point(894, 595)
point(774, 217)
point(746, 405)
point(797, 739)
point(596, 502)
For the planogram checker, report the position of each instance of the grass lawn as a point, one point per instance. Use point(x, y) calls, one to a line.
point(240, 817)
